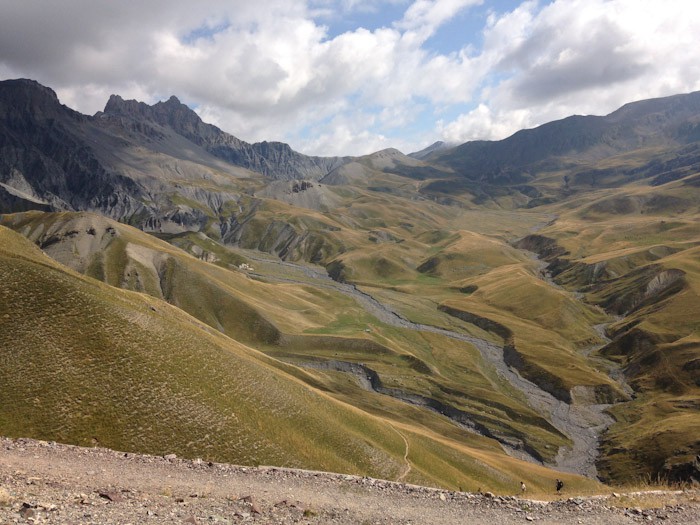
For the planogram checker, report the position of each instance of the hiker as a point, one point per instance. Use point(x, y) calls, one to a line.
point(560, 485)
point(523, 488)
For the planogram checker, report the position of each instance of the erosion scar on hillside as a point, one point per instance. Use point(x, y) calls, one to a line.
point(582, 424)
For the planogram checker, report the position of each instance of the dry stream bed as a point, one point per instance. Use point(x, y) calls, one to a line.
point(581, 422)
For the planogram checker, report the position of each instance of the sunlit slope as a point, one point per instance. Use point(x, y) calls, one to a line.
point(636, 252)
point(544, 330)
point(299, 321)
point(481, 284)
point(137, 374)
point(224, 298)
point(83, 362)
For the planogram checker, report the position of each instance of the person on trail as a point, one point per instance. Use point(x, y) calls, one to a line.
point(560, 485)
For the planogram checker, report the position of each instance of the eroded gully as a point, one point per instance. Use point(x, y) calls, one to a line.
point(582, 421)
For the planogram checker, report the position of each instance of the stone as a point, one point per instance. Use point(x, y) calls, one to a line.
point(114, 497)
point(251, 501)
point(28, 511)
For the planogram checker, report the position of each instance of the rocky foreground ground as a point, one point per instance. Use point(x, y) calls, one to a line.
point(46, 482)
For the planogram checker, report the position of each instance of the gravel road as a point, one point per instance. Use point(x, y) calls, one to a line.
point(44, 482)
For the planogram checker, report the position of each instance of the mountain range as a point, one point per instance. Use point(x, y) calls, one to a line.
point(466, 316)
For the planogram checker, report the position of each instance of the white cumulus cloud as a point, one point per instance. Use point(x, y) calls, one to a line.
point(580, 57)
point(280, 73)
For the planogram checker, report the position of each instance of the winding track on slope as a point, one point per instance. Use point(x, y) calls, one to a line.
point(581, 423)
point(407, 468)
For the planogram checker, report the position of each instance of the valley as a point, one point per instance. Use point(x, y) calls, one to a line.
point(581, 423)
point(496, 312)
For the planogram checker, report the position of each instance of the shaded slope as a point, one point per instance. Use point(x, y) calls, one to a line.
point(44, 155)
point(664, 121)
point(158, 167)
point(275, 160)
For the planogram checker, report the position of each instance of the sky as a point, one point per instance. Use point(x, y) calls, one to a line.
point(350, 77)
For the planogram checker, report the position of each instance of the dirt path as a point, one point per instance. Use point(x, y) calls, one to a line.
point(405, 456)
point(50, 483)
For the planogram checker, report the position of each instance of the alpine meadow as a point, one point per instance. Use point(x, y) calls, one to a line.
point(469, 316)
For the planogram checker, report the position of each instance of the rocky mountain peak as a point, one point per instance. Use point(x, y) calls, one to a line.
point(114, 104)
point(170, 113)
point(28, 87)
point(160, 112)
point(26, 104)
point(273, 159)
point(117, 106)
point(177, 115)
point(434, 147)
point(22, 97)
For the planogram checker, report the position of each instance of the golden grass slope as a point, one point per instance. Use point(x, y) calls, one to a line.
point(482, 276)
point(282, 318)
point(636, 252)
point(83, 362)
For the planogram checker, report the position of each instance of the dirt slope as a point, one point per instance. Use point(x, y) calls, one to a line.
point(45, 482)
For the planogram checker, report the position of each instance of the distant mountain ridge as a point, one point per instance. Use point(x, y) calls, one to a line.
point(161, 168)
point(435, 146)
point(275, 160)
point(670, 122)
point(129, 161)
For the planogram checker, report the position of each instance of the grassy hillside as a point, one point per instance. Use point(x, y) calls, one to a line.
point(135, 373)
point(469, 276)
point(441, 343)
point(635, 252)
point(626, 241)
point(625, 259)
point(86, 363)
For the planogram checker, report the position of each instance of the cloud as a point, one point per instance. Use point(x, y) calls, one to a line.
point(424, 17)
point(280, 74)
point(482, 123)
point(260, 74)
point(579, 57)
point(566, 54)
